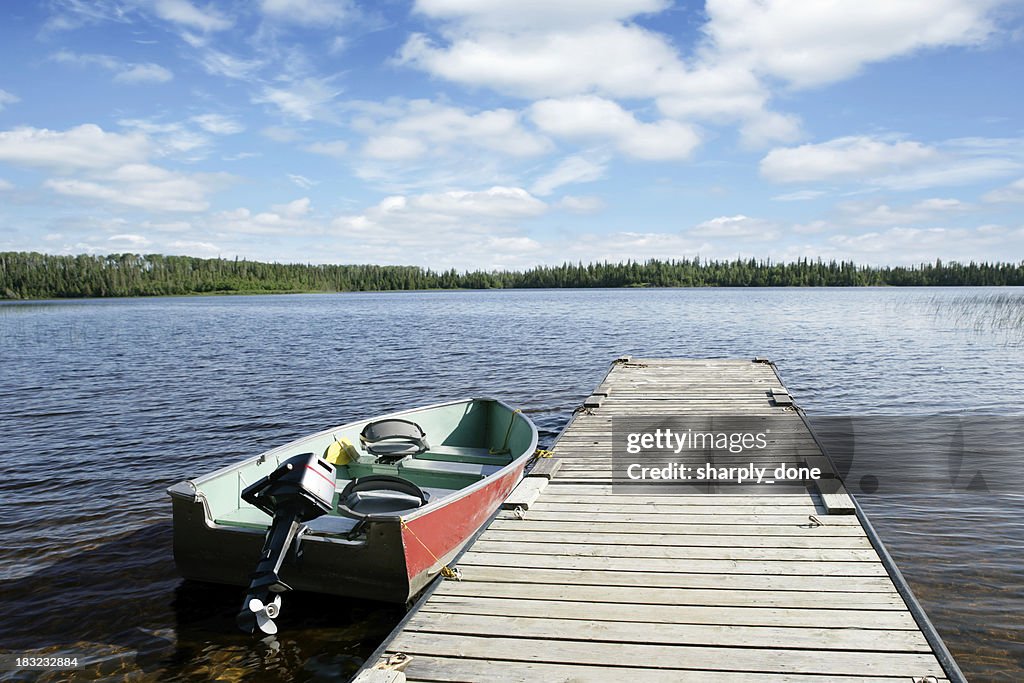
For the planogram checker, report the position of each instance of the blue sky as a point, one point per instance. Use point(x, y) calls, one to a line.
point(472, 134)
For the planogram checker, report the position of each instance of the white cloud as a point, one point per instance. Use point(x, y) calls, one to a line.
point(621, 246)
point(124, 72)
point(893, 164)
point(129, 241)
point(143, 73)
point(900, 245)
point(142, 186)
point(72, 14)
point(451, 208)
point(460, 228)
point(7, 98)
point(497, 203)
point(305, 99)
point(194, 248)
point(217, 63)
point(280, 134)
point(581, 204)
point(571, 170)
point(241, 155)
point(1014, 192)
point(290, 219)
point(532, 13)
point(821, 42)
point(811, 228)
point(950, 171)
point(543, 50)
point(763, 128)
point(594, 118)
point(295, 208)
point(736, 226)
point(875, 214)
point(331, 148)
point(185, 13)
point(393, 148)
point(218, 124)
point(314, 13)
point(941, 204)
point(799, 196)
point(83, 147)
point(6, 185)
point(842, 158)
point(616, 59)
point(173, 138)
point(167, 226)
point(446, 129)
point(302, 181)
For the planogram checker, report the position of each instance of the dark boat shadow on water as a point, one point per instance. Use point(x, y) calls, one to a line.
point(122, 610)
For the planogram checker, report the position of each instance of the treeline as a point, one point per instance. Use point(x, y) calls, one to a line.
point(30, 275)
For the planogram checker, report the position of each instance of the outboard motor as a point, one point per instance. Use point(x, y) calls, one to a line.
point(300, 489)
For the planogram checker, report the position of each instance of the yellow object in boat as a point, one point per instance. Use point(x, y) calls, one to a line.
point(341, 452)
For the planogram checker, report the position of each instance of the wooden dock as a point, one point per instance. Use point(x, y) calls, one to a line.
point(580, 584)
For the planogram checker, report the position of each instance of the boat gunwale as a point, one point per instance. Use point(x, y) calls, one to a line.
point(413, 513)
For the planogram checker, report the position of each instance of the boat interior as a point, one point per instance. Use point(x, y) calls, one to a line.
point(439, 450)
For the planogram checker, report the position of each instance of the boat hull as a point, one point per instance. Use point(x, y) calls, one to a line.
point(392, 559)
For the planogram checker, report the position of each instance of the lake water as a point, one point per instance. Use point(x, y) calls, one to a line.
point(103, 404)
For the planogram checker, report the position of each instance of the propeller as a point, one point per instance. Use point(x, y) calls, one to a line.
point(260, 615)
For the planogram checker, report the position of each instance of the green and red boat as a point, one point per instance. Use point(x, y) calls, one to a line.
point(371, 509)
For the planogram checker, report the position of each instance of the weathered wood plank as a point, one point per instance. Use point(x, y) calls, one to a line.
point(589, 496)
point(754, 587)
point(721, 518)
point(575, 548)
point(822, 639)
point(675, 614)
point(426, 668)
point(643, 594)
point(658, 564)
point(505, 530)
point(798, 530)
point(679, 657)
point(643, 506)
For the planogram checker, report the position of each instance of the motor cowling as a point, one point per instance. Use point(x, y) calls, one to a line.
point(299, 490)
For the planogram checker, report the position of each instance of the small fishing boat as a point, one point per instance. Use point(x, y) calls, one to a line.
point(372, 509)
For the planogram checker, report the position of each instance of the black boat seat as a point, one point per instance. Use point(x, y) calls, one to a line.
point(381, 493)
point(393, 439)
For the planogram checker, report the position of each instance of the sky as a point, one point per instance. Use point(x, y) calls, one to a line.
point(477, 134)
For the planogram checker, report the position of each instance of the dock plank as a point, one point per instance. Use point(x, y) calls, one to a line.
point(808, 617)
point(694, 658)
point(436, 669)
